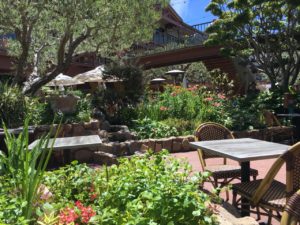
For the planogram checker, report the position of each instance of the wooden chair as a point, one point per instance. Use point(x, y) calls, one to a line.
point(291, 214)
point(269, 194)
point(222, 174)
point(272, 121)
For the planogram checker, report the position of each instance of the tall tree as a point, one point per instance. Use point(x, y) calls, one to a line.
point(267, 30)
point(50, 32)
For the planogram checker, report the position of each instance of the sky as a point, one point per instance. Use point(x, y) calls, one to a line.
point(192, 11)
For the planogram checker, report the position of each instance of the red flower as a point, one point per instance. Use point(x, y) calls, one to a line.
point(78, 215)
point(93, 196)
point(208, 99)
point(217, 104)
point(163, 108)
point(193, 88)
point(221, 96)
point(67, 215)
point(173, 94)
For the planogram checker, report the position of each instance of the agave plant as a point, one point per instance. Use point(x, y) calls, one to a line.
point(25, 166)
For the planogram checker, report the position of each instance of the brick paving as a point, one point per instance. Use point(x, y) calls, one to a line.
point(262, 166)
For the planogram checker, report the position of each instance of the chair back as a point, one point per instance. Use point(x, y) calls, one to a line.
point(291, 214)
point(292, 160)
point(270, 119)
point(211, 131)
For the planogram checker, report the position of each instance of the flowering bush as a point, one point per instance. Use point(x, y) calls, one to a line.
point(183, 106)
point(149, 189)
point(78, 214)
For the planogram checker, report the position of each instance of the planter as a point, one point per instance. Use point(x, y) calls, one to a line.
point(65, 104)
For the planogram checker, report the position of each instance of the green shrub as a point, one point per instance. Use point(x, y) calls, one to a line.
point(11, 204)
point(23, 168)
point(147, 128)
point(42, 113)
point(150, 189)
point(12, 105)
point(243, 113)
point(191, 104)
point(183, 127)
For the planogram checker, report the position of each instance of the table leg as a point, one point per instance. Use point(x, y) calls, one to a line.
point(245, 169)
point(66, 156)
point(67, 153)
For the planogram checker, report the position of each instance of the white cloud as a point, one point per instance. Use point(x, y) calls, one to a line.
point(181, 6)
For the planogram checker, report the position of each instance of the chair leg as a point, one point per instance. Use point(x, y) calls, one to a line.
point(258, 213)
point(257, 208)
point(227, 192)
point(234, 199)
point(270, 215)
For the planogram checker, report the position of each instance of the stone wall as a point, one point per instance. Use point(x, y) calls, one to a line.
point(105, 131)
point(117, 141)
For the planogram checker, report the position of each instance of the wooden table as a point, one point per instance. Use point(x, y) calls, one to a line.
point(242, 150)
point(70, 143)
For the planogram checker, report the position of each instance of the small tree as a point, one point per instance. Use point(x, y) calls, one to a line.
point(267, 30)
point(49, 33)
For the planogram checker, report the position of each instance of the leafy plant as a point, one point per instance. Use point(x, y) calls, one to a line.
point(12, 105)
point(149, 189)
point(192, 104)
point(253, 28)
point(25, 166)
point(11, 204)
point(70, 183)
point(184, 127)
point(147, 128)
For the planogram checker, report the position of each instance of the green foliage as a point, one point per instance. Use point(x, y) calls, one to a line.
point(193, 104)
point(272, 101)
point(220, 82)
point(42, 113)
point(15, 107)
point(59, 30)
point(132, 80)
point(147, 128)
point(25, 167)
point(70, 183)
point(197, 72)
point(185, 109)
point(243, 113)
point(183, 127)
point(150, 189)
point(12, 105)
point(11, 204)
point(118, 103)
point(256, 28)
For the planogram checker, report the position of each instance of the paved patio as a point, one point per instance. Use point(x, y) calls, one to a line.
point(262, 166)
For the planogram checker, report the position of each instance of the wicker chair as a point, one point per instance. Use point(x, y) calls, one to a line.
point(277, 132)
point(223, 174)
point(269, 194)
point(291, 214)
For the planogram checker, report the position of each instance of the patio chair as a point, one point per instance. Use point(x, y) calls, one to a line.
point(276, 131)
point(223, 174)
point(291, 214)
point(269, 194)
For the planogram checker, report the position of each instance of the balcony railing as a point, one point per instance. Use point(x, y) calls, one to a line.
point(202, 26)
point(165, 42)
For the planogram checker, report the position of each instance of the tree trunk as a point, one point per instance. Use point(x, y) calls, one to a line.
point(36, 85)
